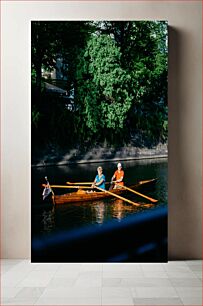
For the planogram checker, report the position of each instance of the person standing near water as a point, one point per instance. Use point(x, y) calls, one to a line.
point(118, 177)
point(99, 179)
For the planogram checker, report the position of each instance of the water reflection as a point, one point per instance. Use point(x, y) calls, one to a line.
point(48, 220)
point(120, 208)
point(117, 208)
point(98, 209)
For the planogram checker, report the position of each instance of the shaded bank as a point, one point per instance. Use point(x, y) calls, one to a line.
point(56, 156)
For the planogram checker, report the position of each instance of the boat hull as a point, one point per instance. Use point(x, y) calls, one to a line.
point(83, 196)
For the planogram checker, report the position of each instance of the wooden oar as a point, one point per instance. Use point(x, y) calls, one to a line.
point(89, 183)
point(127, 188)
point(147, 181)
point(84, 183)
point(122, 198)
point(64, 186)
point(138, 193)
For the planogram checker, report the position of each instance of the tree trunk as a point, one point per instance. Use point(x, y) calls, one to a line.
point(38, 67)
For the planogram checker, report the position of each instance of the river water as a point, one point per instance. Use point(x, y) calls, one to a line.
point(48, 219)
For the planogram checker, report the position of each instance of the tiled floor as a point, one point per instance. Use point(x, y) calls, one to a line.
point(174, 283)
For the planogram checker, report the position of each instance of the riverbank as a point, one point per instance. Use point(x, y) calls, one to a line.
point(98, 154)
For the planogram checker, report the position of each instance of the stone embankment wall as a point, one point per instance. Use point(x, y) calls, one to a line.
point(100, 154)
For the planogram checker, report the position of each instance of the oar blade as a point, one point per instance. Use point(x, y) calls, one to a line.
point(140, 194)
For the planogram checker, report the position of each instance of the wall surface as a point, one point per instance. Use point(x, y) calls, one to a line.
point(185, 64)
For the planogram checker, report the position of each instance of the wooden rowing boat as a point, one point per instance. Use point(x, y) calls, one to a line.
point(82, 195)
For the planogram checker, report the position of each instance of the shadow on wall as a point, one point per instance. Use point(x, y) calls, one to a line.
point(183, 222)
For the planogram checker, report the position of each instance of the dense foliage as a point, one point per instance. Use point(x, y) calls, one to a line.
point(117, 78)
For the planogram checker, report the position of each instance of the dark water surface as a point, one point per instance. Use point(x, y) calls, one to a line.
point(47, 219)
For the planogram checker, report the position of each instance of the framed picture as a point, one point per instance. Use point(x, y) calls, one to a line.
point(99, 117)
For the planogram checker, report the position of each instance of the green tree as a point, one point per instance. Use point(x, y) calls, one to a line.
point(53, 38)
point(122, 78)
point(102, 87)
point(117, 71)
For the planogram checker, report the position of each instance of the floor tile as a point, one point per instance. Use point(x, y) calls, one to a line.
point(153, 268)
point(193, 262)
point(13, 279)
point(4, 301)
point(91, 267)
point(11, 261)
point(116, 292)
point(90, 274)
point(115, 268)
point(196, 268)
point(61, 282)
point(16, 274)
point(189, 291)
point(177, 268)
point(172, 283)
point(179, 274)
point(21, 301)
point(70, 267)
point(68, 272)
point(198, 274)
point(89, 282)
point(89, 279)
point(185, 282)
point(192, 301)
point(73, 292)
point(46, 267)
point(151, 292)
point(69, 301)
point(37, 279)
point(5, 268)
point(176, 263)
point(23, 265)
point(9, 292)
point(146, 282)
point(112, 282)
point(122, 274)
point(155, 274)
point(157, 301)
point(117, 301)
point(28, 292)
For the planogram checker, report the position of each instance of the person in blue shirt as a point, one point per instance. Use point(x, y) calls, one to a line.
point(99, 179)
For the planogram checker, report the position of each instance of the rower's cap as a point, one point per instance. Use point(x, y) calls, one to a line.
point(119, 165)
